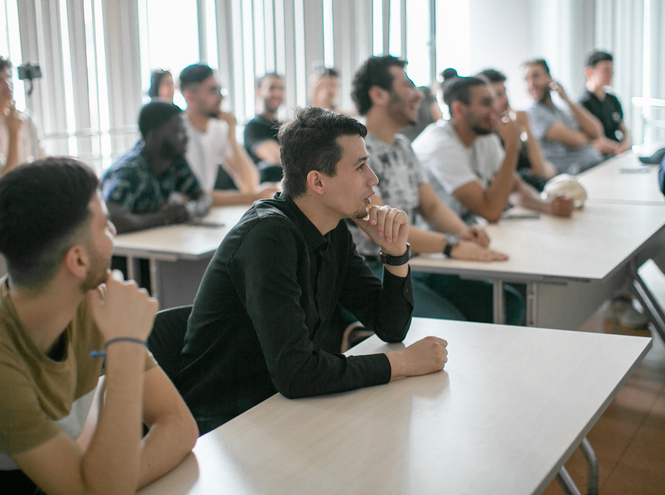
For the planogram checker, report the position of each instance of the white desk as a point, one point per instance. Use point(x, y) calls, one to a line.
point(510, 408)
point(609, 182)
point(570, 266)
point(178, 254)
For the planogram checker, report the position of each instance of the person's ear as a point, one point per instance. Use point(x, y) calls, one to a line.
point(457, 109)
point(315, 181)
point(77, 261)
point(378, 95)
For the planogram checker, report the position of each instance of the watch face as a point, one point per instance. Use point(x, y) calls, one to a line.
point(452, 239)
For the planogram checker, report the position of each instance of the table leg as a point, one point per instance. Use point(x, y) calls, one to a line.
point(130, 268)
point(154, 282)
point(566, 482)
point(531, 304)
point(591, 459)
point(648, 301)
point(499, 305)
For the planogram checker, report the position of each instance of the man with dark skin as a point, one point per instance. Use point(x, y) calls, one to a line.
point(153, 185)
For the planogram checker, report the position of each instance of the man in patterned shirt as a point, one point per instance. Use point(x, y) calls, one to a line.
point(152, 184)
point(383, 92)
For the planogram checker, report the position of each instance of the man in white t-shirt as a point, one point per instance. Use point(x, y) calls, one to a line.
point(219, 162)
point(19, 137)
point(467, 166)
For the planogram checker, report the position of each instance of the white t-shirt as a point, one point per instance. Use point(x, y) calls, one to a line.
point(25, 151)
point(450, 164)
point(207, 150)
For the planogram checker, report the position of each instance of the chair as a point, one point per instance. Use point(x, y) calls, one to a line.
point(167, 338)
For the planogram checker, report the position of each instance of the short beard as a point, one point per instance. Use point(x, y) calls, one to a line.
point(96, 274)
point(481, 131)
point(360, 214)
point(169, 151)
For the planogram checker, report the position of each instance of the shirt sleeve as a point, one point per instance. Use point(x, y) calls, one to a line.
point(186, 181)
point(23, 424)
point(120, 186)
point(255, 134)
point(449, 164)
point(269, 290)
point(224, 145)
point(541, 120)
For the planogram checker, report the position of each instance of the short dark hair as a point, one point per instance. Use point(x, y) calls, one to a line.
point(492, 75)
point(194, 74)
point(42, 207)
point(456, 88)
point(538, 61)
point(259, 80)
point(156, 114)
point(309, 142)
point(5, 63)
point(155, 80)
point(598, 56)
point(374, 72)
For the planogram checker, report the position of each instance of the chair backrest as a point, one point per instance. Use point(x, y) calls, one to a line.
point(167, 338)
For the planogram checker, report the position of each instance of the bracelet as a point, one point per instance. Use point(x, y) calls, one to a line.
point(102, 353)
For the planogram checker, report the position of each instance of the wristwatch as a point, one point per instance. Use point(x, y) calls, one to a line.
point(387, 259)
point(451, 241)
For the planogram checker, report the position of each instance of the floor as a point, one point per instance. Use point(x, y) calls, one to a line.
point(629, 438)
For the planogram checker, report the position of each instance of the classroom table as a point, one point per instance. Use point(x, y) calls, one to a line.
point(622, 179)
point(511, 406)
point(178, 254)
point(570, 265)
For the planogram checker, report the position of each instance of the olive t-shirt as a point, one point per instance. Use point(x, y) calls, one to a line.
point(39, 396)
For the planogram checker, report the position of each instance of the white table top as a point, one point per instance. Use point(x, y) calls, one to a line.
point(622, 179)
point(184, 241)
point(590, 246)
point(508, 410)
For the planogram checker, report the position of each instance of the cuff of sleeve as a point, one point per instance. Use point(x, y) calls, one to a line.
point(377, 369)
point(399, 284)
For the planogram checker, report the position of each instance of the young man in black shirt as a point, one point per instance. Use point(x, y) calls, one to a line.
point(267, 317)
point(605, 106)
point(261, 132)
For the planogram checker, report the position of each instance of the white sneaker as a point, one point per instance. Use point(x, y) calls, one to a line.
point(620, 310)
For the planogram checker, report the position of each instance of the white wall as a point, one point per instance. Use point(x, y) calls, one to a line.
point(500, 39)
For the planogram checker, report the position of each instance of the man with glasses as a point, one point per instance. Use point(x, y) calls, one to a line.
point(221, 165)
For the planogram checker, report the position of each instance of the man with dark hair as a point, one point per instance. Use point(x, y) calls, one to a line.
point(59, 303)
point(152, 184)
point(220, 163)
point(19, 136)
point(568, 140)
point(403, 182)
point(267, 317)
point(261, 132)
point(468, 167)
point(599, 71)
point(531, 164)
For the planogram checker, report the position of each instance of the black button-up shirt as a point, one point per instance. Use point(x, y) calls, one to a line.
point(267, 315)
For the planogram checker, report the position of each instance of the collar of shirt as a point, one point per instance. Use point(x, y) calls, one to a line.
point(313, 237)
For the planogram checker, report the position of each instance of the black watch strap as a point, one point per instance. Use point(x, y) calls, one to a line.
point(447, 250)
point(387, 259)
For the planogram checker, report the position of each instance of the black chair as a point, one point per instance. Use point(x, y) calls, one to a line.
point(167, 338)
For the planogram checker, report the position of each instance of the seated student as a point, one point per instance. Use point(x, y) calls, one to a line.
point(267, 316)
point(161, 86)
point(59, 303)
point(19, 136)
point(152, 184)
point(389, 100)
point(323, 88)
point(566, 138)
point(261, 132)
point(531, 165)
point(605, 106)
point(219, 162)
point(468, 168)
